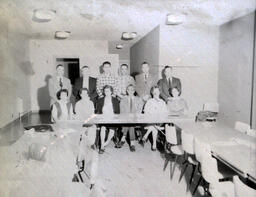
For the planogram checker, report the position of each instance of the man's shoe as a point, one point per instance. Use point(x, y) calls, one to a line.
point(121, 143)
point(132, 148)
point(93, 147)
point(101, 151)
point(142, 142)
point(153, 149)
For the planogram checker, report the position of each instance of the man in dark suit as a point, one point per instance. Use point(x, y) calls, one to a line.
point(167, 83)
point(85, 82)
point(144, 82)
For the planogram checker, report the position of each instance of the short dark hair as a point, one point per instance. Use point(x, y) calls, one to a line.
point(59, 65)
point(176, 89)
point(130, 85)
point(144, 63)
point(107, 87)
point(106, 62)
point(61, 91)
point(83, 89)
point(85, 67)
point(153, 88)
point(167, 67)
point(124, 65)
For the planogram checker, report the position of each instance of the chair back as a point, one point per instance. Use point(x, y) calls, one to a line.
point(209, 169)
point(213, 107)
point(251, 133)
point(187, 142)
point(201, 149)
point(242, 127)
point(171, 134)
point(242, 190)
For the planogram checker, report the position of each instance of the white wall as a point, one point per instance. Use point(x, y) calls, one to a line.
point(43, 54)
point(15, 70)
point(193, 53)
point(235, 69)
point(146, 49)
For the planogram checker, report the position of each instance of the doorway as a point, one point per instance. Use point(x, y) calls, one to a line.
point(72, 68)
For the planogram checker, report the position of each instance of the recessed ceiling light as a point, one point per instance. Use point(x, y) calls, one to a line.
point(62, 34)
point(119, 46)
point(43, 15)
point(175, 19)
point(133, 34)
point(128, 36)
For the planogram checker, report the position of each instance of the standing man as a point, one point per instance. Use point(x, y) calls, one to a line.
point(106, 78)
point(58, 82)
point(124, 79)
point(144, 82)
point(86, 81)
point(167, 83)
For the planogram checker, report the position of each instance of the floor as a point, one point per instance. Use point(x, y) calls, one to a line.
point(121, 172)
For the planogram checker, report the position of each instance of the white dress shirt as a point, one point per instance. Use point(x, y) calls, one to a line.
point(86, 82)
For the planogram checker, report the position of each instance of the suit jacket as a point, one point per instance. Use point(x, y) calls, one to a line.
point(92, 88)
point(100, 104)
point(142, 87)
point(54, 87)
point(136, 107)
point(165, 88)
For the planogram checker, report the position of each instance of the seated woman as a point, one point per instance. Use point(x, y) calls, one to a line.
point(62, 109)
point(84, 109)
point(108, 106)
point(177, 105)
point(130, 104)
point(155, 106)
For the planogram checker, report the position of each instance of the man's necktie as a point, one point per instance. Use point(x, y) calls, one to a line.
point(170, 84)
point(130, 104)
point(61, 84)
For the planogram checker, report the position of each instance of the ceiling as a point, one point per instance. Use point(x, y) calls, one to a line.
point(106, 20)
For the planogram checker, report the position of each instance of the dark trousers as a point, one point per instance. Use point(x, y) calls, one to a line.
point(131, 132)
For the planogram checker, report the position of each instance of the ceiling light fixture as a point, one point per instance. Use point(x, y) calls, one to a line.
point(119, 46)
point(175, 19)
point(128, 36)
point(43, 15)
point(62, 34)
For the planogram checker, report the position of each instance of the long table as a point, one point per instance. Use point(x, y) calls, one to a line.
point(135, 119)
point(233, 148)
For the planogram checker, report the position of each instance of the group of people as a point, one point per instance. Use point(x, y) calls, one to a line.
point(109, 95)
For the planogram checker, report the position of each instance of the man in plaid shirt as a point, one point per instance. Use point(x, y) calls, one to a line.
point(106, 79)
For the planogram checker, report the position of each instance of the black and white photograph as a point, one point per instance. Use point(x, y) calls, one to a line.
point(128, 98)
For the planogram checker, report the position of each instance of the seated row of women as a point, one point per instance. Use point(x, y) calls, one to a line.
point(109, 105)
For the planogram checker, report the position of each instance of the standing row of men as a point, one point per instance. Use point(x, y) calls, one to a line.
point(143, 83)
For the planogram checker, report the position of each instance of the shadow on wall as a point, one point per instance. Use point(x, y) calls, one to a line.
point(43, 96)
